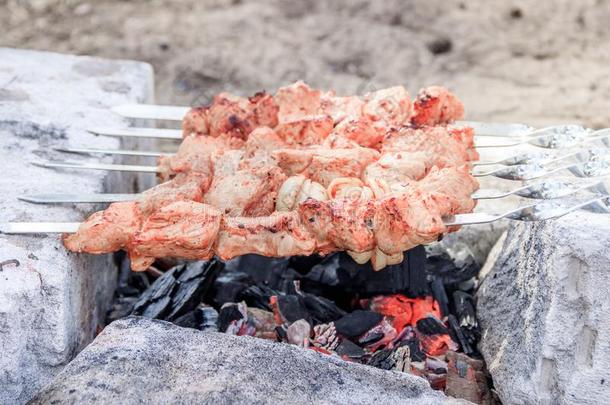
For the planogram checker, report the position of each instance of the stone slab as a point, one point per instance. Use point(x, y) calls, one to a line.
point(545, 314)
point(138, 360)
point(52, 302)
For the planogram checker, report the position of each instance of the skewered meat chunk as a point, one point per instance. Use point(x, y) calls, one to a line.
point(232, 115)
point(436, 105)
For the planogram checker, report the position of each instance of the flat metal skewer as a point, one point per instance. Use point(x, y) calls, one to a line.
point(97, 166)
point(89, 151)
point(159, 133)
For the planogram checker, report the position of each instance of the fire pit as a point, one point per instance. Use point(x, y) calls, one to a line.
point(390, 319)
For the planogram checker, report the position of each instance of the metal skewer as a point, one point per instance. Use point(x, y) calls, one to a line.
point(89, 151)
point(97, 166)
point(535, 212)
point(159, 133)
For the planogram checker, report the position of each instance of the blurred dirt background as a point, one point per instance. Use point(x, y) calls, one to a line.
point(530, 60)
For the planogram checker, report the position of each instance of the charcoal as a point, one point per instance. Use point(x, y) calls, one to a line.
point(292, 308)
point(257, 296)
point(431, 326)
point(155, 302)
point(193, 284)
point(121, 307)
point(357, 323)
point(370, 338)
point(302, 264)
point(457, 334)
point(321, 309)
point(202, 318)
point(349, 349)
point(280, 331)
point(382, 359)
point(452, 270)
point(269, 271)
point(414, 349)
point(230, 314)
point(464, 309)
point(228, 286)
point(440, 295)
point(339, 274)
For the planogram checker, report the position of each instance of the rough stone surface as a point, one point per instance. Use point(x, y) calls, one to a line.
point(138, 360)
point(52, 302)
point(544, 310)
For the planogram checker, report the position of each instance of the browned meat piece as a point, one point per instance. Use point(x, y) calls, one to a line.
point(362, 130)
point(436, 105)
point(323, 165)
point(340, 108)
point(247, 192)
point(231, 115)
point(442, 145)
point(391, 106)
point(183, 187)
point(107, 231)
point(280, 234)
point(305, 131)
point(297, 101)
point(183, 229)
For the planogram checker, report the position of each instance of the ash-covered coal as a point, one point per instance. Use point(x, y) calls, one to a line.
point(408, 317)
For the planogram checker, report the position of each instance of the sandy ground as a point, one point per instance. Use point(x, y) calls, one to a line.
point(534, 61)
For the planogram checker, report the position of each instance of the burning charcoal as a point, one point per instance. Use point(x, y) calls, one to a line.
point(431, 326)
point(193, 284)
point(437, 381)
point(298, 333)
point(325, 337)
point(357, 323)
point(258, 296)
point(349, 350)
point(203, 318)
point(263, 323)
point(380, 335)
point(424, 307)
point(437, 345)
point(321, 309)
point(467, 379)
point(396, 307)
point(414, 349)
point(289, 308)
point(451, 267)
point(233, 319)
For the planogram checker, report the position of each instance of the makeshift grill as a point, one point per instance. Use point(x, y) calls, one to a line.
point(305, 171)
point(334, 189)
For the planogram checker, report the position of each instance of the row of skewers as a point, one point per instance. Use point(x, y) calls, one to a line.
point(305, 171)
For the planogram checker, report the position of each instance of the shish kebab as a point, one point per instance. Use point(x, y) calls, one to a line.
point(197, 174)
point(100, 236)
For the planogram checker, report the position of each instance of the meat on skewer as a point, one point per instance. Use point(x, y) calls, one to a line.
point(192, 230)
point(297, 106)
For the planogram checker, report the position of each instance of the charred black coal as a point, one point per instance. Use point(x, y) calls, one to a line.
point(178, 291)
point(357, 323)
point(431, 326)
point(203, 318)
